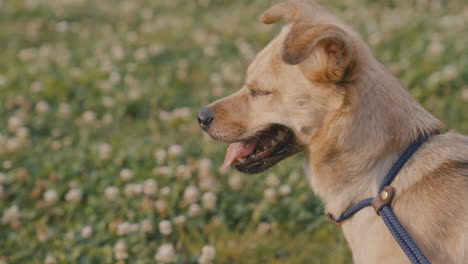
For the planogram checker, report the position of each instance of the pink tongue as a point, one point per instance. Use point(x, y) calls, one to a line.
point(235, 151)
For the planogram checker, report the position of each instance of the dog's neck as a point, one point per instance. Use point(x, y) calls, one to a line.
point(349, 156)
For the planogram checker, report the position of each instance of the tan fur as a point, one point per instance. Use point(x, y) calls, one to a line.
point(353, 119)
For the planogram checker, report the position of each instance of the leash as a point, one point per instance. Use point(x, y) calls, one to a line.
point(381, 204)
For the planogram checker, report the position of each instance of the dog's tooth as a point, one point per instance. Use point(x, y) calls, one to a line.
point(281, 135)
point(241, 160)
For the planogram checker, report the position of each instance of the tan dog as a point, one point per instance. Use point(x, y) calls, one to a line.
point(316, 88)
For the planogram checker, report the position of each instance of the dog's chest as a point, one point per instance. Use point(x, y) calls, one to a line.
point(369, 240)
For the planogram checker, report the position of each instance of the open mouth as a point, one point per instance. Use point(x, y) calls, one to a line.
point(261, 151)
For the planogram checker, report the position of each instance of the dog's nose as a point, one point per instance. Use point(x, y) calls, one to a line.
point(205, 117)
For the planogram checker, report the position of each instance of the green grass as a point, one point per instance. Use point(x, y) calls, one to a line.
point(90, 88)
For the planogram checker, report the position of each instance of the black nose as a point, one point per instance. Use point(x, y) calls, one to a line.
point(205, 116)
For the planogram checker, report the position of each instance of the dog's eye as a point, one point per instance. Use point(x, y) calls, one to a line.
point(258, 93)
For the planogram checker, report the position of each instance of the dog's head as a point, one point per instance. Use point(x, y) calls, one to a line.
point(292, 86)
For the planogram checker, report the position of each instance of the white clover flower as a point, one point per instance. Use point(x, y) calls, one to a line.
point(11, 215)
point(73, 184)
point(76, 73)
point(107, 102)
point(464, 93)
point(272, 180)
point(165, 191)
point(133, 189)
point(89, 116)
point(64, 110)
point(435, 48)
point(236, 181)
point(209, 200)
point(7, 164)
point(111, 193)
point(107, 118)
point(124, 228)
point(140, 54)
point(150, 187)
point(134, 227)
point(14, 123)
point(207, 183)
point(50, 196)
point(285, 189)
point(73, 195)
point(114, 77)
point(210, 50)
point(263, 227)
point(191, 194)
point(294, 177)
point(180, 220)
point(43, 233)
point(175, 150)
point(50, 260)
point(194, 210)
point(208, 254)
point(86, 232)
point(118, 53)
point(120, 250)
point(12, 144)
point(434, 78)
point(126, 174)
point(161, 206)
point(160, 155)
point(183, 172)
point(165, 253)
point(104, 151)
point(449, 72)
point(134, 93)
point(3, 80)
point(42, 107)
point(181, 113)
point(26, 54)
point(165, 227)
point(204, 168)
point(3, 177)
point(204, 3)
point(164, 115)
point(121, 255)
point(155, 49)
point(146, 13)
point(70, 235)
point(22, 133)
point(104, 86)
point(270, 194)
point(162, 171)
point(56, 145)
point(146, 226)
point(131, 66)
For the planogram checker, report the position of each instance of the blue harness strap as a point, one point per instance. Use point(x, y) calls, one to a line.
point(381, 204)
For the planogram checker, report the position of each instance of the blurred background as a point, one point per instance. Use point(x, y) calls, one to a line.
point(101, 157)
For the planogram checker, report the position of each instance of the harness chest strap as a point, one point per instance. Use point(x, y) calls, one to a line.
point(381, 204)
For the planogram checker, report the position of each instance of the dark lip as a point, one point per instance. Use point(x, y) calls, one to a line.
point(262, 161)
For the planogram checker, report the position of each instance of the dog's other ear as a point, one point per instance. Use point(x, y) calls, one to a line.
point(324, 51)
point(279, 12)
point(293, 11)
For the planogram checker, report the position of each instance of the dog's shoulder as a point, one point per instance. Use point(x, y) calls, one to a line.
point(431, 197)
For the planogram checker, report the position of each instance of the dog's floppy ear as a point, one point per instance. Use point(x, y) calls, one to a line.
point(325, 51)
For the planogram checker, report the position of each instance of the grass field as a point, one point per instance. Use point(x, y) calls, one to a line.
point(101, 157)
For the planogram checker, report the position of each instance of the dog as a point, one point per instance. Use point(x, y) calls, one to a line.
point(317, 89)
